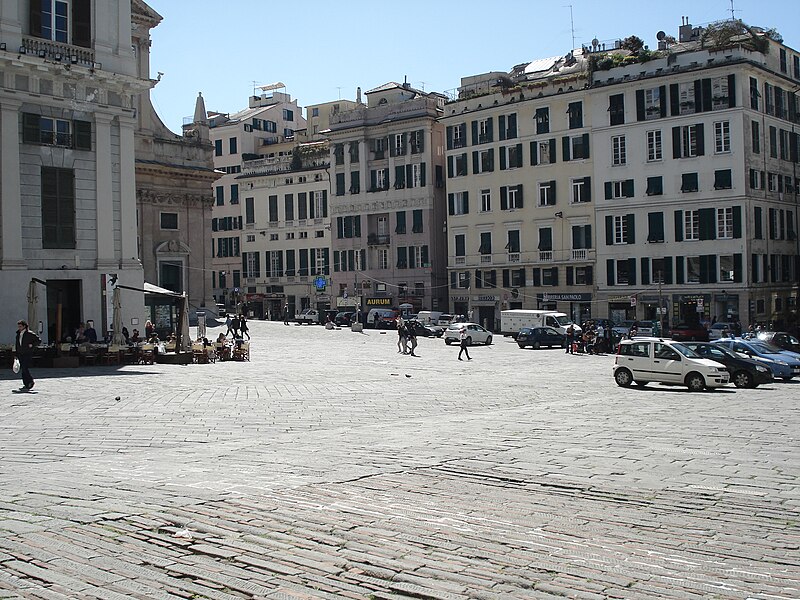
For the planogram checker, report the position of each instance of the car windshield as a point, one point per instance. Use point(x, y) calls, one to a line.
point(725, 350)
point(685, 350)
point(563, 321)
point(764, 348)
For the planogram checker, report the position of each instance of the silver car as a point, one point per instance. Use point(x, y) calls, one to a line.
point(475, 334)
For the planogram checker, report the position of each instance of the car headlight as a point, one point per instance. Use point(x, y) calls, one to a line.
point(781, 363)
point(761, 369)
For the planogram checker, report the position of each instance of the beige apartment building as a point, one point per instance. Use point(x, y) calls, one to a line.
point(695, 155)
point(387, 202)
point(264, 130)
point(68, 191)
point(519, 191)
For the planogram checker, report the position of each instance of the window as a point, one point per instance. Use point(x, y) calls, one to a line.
point(784, 144)
point(720, 97)
point(581, 190)
point(51, 131)
point(486, 243)
point(417, 141)
point(232, 145)
point(756, 137)
point(575, 115)
point(575, 147)
point(217, 147)
point(220, 195)
point(658, 266)
point(547, 193)
point(460, 245)
point(458, 203)
point(315, 112)
point(581, 237)
point(620, 229)
point(654, 145)
point(726, 268)
point(655, 186)
point(619, 189)
point(321, 204)
point(400, 222)
point(686, 98)
point(381, 179)
point(340, 185)
point(484, 131)
point(288, 115)
point(483, 161)
point(416, 221)
point(542, 119)
point(756, 179)
point(249, 211)
point(623, 272)
point(511, 157)
point(251, 237)
point(353, 150)
point(508, 126)
point(169, 220)
point(545, 239)
point(784, 64)
point(58, 207)
point(458, 137)
point(513, 241)
point(618, 152)
point(235, 193)
point(486, 200)
point(772, 182)
point(687, 141)
point(515, 197)
point(754, 93)
point(722, 179)
point(399, 145)
point(355, 182)
point(691, 225)
point(288, 132)
point(655, 227)
point(51, 21)
point(722, 137)
point(457, 165)
point(543, 152)
point(692, 269)
point(653, 103)
point(689, 182)
point(725, 223)
point(383, 258)
point(616, 109)
point(273, 209)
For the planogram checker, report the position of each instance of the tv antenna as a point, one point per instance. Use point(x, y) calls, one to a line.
point(733, 12)
point(340, 91)
point(572, 25)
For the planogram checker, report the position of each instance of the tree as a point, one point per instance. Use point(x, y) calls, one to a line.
point(633, 44)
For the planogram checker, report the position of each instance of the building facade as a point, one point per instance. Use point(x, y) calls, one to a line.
point(266, 129)
point(387, 201)
point(68, 191)
point(696, 181)
point(519, 191)
point(174, 174)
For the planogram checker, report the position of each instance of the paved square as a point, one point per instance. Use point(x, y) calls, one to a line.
point(331, 466)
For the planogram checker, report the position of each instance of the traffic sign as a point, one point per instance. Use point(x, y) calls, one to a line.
point(633, 300)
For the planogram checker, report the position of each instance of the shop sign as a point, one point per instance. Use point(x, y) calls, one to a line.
point(378, 302)
point(486, 299)
point(564, 297)
point(460, 298)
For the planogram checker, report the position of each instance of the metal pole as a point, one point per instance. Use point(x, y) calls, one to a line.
point(660, 305)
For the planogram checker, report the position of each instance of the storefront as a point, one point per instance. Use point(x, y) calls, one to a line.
point(622, 308)
point(726, 307)
point(691, 308)
point(577, 306)
point(484, 311)
point(460, 305)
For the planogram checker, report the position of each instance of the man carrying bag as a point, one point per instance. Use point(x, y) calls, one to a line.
point(25, 343)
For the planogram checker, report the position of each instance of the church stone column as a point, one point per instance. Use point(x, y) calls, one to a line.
point(10, 197)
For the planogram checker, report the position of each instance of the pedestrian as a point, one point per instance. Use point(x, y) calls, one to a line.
point(286, 314)
point(235, 324)
point(26, 341)
point(228, 324)
point(148, 329)
point(412, 338)
point(463, 337)
point(600, 339)
point(243, 326)
point(570, 339)
point(401, 337)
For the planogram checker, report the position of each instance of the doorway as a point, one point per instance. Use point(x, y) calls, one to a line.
point(171, 276)
point(63, 309)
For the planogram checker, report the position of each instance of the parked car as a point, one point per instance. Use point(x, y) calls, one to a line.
point(622, 328)
point(784, 364)
point(344, 317)
point(689, 332)
point(745, 372)
point(536, 337)
point(781, 339)
point(643, 360)
point(309, 316)
point(647, 328)
point(445, 319)
point(382, 318)
point(423, 329)
point(475, 334)
point(720, 330)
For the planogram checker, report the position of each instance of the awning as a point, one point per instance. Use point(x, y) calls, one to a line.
point(149, 288)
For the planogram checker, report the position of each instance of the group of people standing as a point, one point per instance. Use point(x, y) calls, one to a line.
point(406, 336)
point(237, 326)
point(593, 339)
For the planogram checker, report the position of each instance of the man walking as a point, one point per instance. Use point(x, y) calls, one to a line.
point(570, 339)
point(286, 314)
point(25, 343)
point(463, 337)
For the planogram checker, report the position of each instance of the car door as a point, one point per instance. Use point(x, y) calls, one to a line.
point(667, 362)
point(636, 357)
point(551, 337)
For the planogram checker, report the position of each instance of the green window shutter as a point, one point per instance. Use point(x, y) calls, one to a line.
point(501, 125)
point(662, 100)
point(335, 262)
point(409, 175)
point(357, 226)
point(758, 229)
point(701, 139)
point(712, 268)
point(631, 271)
point(451, 204)
point(474, 133)
point(676, 142)
point(610, 271)
point(534, 157)
point(732, 90)
point(640, 105)
point(565, 148)
point(423, 255)
point(577, 237)
point(553, 275)
point(645, 271)
point(609, 190)
point(587, 188)
point(476, 167)
point(737, 268)
point(518, 164)
point(668, 270)
point(631, 233)
point(552, 150)
point(585, 143)
point(449, 137)
point(706, 87)
point(421, 174)
point(81, 23)
point(704, 269)
point(520, 198)
point(245, 272)
point(570, 276)
point(30, 126)
point(466, 203)
point(737, 221)
point(402, 257)
point(503, 198)
point(674, 100)
point(708, 224)
point(399, 176)
point(627, 188)
point(503, 153)
point(609, 230)
point(450, 169)
point(491, 159)
point(83, 135)
point(679, 270)
point(537, 278)
point(340, 228)
point(326, 261)
point(678, 225)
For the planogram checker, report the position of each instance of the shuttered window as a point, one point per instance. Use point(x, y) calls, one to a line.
point(58, 208)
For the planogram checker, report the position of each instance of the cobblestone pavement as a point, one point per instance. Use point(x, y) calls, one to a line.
point(332, 467)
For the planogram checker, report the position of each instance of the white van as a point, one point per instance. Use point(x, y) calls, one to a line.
point(429, 317)
point(382, 318)
point(511, 321)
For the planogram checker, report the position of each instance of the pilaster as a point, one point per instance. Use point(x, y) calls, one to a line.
point(105, 199)
point(127, 192)
point(10, 196)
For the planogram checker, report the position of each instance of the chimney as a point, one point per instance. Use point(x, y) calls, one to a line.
point(685, 30)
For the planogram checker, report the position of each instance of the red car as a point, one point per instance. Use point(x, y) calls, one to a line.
point(684, 332)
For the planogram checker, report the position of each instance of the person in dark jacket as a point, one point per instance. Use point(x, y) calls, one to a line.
point(25, 343)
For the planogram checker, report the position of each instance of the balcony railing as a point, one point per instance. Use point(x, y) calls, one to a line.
point(375, 239)
point(461, 260)
point(486, 258)
point(513, 257)
point(56, 51)
point(545, 255)
point(579, 254)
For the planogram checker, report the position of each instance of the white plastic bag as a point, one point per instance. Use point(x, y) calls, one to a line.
point(15, 366)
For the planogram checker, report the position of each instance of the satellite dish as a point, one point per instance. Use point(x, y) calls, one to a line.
point(660, 36)
point(595, 42)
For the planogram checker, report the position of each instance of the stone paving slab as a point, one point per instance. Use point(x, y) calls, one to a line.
point(332, 467)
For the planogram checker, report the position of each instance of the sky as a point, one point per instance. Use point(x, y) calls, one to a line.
point(323, 50)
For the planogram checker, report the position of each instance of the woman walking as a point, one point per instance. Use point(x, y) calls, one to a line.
point(463, 337)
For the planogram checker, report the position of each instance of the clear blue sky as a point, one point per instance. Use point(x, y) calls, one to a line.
point(323, 50)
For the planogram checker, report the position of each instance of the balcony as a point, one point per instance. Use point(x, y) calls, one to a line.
point(59, 52)
point(545, 256)
point(579, 254)
point(513, 257)
point(486, 259)
point(461, 260)
point(375, 239)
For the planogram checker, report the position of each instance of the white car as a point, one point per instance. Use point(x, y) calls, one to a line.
point(721, 330)
point(475, 334)
point(309, 316)
point(642, 360)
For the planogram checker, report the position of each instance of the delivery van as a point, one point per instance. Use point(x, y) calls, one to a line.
point(511, 321)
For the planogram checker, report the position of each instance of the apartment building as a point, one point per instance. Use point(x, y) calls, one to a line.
point(68, 191)
point(387, 202)
point(265, 129)
point(519, 191)
point(695, 156)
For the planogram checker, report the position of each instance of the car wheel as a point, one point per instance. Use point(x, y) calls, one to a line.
point(469, 341)
point(787, 378)
point(623, 378)
point(489, 341)
point(448, 341)
point(521, 346)
point(695, 382)
point(642, 383)
point(742, 379)
point(536, 345)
